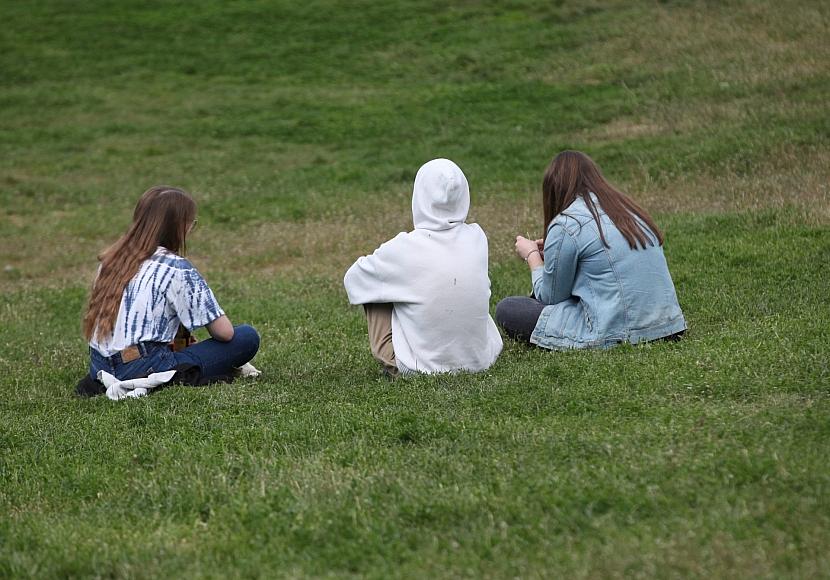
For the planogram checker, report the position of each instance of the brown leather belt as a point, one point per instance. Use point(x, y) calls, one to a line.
point(130, 353)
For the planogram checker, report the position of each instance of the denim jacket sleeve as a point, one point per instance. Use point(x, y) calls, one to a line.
point(553, 282)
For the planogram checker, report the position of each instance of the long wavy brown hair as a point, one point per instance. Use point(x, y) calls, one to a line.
point(571, 174)
point(162, 217)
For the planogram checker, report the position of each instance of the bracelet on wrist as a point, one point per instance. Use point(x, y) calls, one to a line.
point(530, 253)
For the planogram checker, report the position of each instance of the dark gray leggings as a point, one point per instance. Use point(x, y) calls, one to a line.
point(518, 315)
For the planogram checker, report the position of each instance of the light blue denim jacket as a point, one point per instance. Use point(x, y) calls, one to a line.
point(598, 297)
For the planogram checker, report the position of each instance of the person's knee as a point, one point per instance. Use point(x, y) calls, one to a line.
point(248, 338)
point(383, 352)
point(517, 316)
point(503, 311)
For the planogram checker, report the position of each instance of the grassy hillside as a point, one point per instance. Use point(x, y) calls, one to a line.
point(299, 128)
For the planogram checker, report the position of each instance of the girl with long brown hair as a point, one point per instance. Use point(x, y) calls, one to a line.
point(599, 275)
point(145, 290)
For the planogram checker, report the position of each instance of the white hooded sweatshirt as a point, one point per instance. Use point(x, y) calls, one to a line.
point(436, 278)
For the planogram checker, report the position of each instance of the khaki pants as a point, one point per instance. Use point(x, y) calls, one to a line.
point(379, 321)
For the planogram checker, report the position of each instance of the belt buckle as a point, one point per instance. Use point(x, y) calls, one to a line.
point(130, 354)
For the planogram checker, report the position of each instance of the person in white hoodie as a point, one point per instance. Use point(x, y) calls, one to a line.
point(426, 293)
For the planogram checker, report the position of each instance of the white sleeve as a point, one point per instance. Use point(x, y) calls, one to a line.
point(371, 278)
point(193, 300)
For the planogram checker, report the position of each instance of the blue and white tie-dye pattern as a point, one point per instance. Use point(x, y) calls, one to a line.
point(166, 291)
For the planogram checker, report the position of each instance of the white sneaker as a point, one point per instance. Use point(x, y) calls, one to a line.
point(248, 370)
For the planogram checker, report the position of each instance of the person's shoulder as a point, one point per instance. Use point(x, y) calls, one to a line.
point(473, 227)
point(472, 233)
point(579, 211)
point(570, 221)
point(401, 239)
point(165, 257)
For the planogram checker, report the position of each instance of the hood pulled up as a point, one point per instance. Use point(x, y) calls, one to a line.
point(440, 196)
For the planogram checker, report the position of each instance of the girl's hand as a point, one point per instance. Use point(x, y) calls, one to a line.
point(540, 244)
point(525, 247)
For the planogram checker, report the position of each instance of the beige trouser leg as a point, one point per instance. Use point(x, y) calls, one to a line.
point(379, 321)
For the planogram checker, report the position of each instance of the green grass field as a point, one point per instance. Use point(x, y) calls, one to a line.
point(299, 128)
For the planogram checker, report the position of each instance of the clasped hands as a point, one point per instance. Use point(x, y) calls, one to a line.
point(531, 251)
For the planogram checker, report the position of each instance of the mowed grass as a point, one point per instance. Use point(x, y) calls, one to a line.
point(299, 128)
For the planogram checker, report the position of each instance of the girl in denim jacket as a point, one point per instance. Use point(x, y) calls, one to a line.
point(599, 275)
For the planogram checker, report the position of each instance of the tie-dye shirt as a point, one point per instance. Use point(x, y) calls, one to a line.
point(166, 291)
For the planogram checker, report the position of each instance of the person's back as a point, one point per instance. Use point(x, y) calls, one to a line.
point(621, 293)
point(445, 323)
point(599, 275)
point(433, 283)
point(165, 292)
point(145, 294)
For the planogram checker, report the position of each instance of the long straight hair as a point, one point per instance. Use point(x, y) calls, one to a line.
point(162, 217)
point(571, 174)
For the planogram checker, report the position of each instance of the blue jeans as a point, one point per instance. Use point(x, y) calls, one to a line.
point(214, 358)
